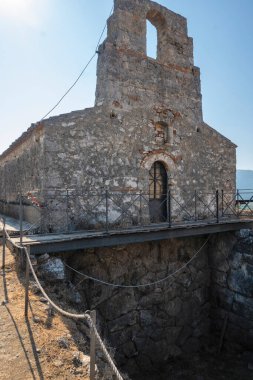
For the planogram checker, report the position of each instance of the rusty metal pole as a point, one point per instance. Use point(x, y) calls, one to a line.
point(27, 275)
point(4, 244)
point(93, 347)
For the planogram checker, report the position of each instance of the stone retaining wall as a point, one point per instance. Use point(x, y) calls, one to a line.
point(147, 326)
point(231, 264)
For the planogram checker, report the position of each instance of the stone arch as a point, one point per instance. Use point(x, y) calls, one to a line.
point(166, 159)
point(157, 19)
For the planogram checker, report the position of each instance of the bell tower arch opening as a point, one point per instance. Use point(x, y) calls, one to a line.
point(156, 30)
point(151, 40)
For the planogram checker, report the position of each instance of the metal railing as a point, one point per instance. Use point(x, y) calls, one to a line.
point(71, 210)
point(88, 316)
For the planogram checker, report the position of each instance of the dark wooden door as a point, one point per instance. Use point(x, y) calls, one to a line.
point(158, 182)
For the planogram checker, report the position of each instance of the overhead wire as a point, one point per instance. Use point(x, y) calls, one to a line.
point(80, 75)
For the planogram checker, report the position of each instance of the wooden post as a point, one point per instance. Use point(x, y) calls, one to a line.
point(4, 245)
point(93, 347)
point(27, 275)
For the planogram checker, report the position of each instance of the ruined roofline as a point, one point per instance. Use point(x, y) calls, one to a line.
point(36, 127)
point(153, 4)
point(25, 136)
point(214, 131)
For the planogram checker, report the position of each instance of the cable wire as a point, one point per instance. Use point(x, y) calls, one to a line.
point(141, 285)
point(80, 75)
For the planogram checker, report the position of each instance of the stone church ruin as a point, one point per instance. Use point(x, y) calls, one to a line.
point(142, 156)
point(145, 135)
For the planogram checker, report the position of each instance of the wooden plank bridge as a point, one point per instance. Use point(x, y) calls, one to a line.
point(65, 242)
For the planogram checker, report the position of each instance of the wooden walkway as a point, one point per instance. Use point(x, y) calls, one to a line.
point(12, 225)
point(52, 243)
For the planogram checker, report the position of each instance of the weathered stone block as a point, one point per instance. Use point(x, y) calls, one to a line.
point(53, 269)
point(241, 280)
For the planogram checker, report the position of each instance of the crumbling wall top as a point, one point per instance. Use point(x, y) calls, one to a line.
point(127, 28)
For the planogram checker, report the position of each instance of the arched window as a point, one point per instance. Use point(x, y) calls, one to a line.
point(158, 186)
point(158, 180)
point(152, 40)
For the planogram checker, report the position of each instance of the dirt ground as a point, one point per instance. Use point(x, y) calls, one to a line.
point(41, 347)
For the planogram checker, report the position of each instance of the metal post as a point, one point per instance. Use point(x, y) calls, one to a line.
point(140, 207)
point(222, 203)
point(93, 347)
point(195, 206)
point(107, 210)
point(27, 275)
point(67, 211)
point(169, 207)
point(217, 206)
point(4, 244)
point(21, 219)
point(237, 202)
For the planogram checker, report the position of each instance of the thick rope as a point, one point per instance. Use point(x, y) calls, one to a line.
point(85, 316)
point(104, 349)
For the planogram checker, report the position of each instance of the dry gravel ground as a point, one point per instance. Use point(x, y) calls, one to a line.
point(42, 347)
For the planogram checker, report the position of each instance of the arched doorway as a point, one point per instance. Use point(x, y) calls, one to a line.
point(158, 186)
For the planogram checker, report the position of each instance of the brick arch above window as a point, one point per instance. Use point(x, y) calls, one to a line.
point(167, 159)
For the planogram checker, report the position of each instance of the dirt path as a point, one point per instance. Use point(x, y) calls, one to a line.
point(32, 349)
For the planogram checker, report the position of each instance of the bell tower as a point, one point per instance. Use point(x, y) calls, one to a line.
point(126, 76)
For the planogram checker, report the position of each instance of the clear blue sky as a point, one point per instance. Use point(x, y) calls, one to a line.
point(45, 44)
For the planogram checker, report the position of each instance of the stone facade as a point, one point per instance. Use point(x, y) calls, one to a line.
point(146, 111)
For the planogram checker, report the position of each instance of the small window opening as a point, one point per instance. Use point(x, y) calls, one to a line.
point(152, 40)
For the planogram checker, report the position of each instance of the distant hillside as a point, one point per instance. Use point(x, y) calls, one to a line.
point(244, 179)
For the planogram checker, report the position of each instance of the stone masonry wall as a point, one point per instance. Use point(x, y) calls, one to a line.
point(147, 326)
point(22, 169)
point(92, 151)
point(231, 265)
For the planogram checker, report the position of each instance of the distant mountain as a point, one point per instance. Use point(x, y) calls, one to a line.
point(244, 179)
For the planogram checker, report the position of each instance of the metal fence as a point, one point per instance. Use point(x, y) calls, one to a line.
point(71, 210)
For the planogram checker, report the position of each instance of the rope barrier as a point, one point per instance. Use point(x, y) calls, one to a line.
point(106, 353)
point(84, 316)
point(141, 285)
